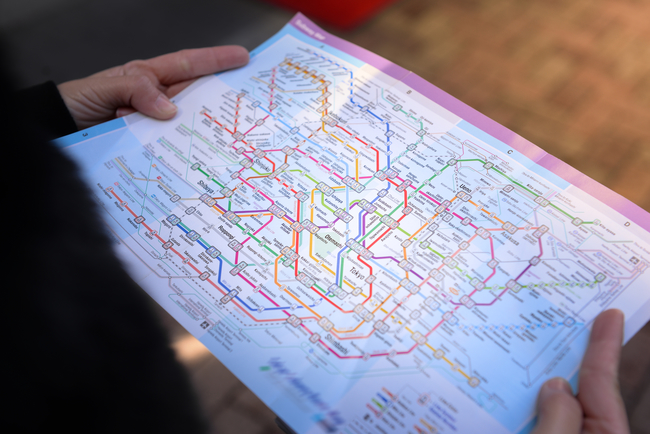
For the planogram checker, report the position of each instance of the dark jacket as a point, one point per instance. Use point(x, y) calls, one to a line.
point(84, 351)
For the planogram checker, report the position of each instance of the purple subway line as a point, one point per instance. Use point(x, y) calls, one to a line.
point(363, 228)
point(221, 208)
point(333, 222)
point(251, 211)
point(397, 260)
point(522, 273)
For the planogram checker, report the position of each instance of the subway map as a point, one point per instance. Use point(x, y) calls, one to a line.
point(359, 256)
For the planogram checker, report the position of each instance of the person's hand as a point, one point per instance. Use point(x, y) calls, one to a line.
point(598, 408)
point(144, 85)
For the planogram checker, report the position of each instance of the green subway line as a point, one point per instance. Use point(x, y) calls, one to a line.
point(378, 224)
point(209, 144)
point(514, 182)
point(436, 252)
point(566, 214)
point(396, 208)
point(408, 115)
point(369, 232)
point(207, 175)
point(259, 173)
point(226, 259)
point(322, 201)
point(164, 142)
point(306, 174)
point(430, 179)
point(402, 230)
point(256, 239)
point(523, 187)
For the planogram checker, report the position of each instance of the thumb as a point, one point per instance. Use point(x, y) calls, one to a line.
point(558, 411)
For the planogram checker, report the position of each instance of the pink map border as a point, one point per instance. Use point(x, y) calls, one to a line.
point(612, 199)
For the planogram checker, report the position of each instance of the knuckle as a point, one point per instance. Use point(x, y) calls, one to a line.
point(134, 67)
point(138, 89)
point(184, 64)
point(141, 82)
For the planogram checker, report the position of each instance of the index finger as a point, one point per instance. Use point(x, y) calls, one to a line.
point(598, 383)
point(189, 64)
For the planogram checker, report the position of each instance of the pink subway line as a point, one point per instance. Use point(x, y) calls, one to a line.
point(431, 285)
point(499, 296)
point(468, 241)
point(430, 198)
point(259, 191)
point(254, 233)
point(496, 298)
point(373, 330)
point(247, 281)
point(435, 327)
point(265, 224)
point(412, 186)
point(235, 147)
point(254, 125)
point(471, 224)
point(269, 299)
point(371, 355)
point(271, 93)
point(261, 292)
point(494, 271)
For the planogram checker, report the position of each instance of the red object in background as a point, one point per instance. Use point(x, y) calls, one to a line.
point(344, 14)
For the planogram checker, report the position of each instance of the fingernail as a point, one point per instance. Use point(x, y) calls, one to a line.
point(558, 384)
point(618, 312)
point(551, 388)
point(242, 56)
point(165, 106)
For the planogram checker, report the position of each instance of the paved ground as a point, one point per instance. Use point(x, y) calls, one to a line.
point(571, 76)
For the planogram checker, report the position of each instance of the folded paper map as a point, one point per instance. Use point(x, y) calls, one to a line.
point(365, 252)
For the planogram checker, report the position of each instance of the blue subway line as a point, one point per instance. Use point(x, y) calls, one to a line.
point(338, 255)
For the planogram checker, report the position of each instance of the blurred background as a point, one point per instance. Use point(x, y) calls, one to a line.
point(571, 76)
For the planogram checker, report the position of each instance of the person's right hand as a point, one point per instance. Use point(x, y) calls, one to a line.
point(598, 408)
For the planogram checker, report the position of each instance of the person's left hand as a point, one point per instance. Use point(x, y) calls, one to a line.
point(144, 85)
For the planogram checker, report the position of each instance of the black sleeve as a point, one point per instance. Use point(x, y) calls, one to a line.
point(43, 102)
point(83, 349)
